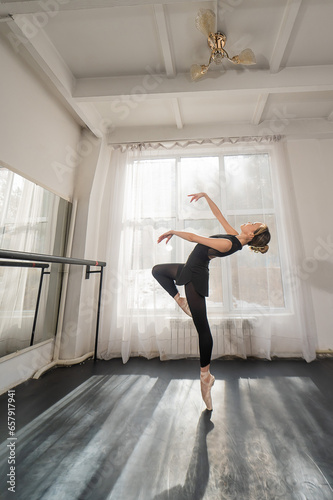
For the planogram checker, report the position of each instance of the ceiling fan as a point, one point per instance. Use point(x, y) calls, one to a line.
point(205, 22)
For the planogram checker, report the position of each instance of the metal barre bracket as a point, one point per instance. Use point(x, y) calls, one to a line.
point(88, 272)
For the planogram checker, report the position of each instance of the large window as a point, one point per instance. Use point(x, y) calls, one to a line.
point(241, 185)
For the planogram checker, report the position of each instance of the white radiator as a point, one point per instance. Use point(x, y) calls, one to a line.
point(231, 337)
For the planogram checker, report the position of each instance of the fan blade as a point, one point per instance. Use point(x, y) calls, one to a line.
point(205, 21)
point(198, 71)
point(246, 57)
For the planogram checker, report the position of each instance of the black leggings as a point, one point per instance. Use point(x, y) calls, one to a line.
point(166, 275)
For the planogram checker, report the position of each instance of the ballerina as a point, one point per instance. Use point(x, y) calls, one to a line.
point(194, 275)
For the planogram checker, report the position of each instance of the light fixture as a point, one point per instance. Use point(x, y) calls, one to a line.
point(205, 22)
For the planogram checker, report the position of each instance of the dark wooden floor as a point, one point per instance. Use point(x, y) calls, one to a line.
point(140, 432)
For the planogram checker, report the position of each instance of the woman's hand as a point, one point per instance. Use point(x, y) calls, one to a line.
point(196, 197)
point(166, 236)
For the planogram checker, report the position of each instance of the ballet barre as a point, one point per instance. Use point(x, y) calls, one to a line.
point(42, 261)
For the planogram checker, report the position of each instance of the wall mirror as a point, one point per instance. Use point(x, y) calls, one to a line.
point(35, 220)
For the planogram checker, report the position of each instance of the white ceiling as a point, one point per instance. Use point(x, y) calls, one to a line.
point(123, 66)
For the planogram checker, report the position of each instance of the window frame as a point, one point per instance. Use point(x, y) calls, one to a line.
point(227, 309)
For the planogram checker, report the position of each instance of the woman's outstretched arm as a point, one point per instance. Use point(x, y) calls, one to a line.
point(219, 244)
point(216, 211)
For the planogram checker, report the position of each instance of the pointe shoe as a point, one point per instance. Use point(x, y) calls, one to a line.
point(182, 302)
point(206, 386)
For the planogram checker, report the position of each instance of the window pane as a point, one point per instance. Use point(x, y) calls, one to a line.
point(255, 276)
point(4, 176)
point(197, 175)
point(248, 182)
point(152, 190)
point(144, 250)
point(203, 228)
point(144, 243)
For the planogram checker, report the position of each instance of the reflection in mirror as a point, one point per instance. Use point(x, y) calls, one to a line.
point(33, 220)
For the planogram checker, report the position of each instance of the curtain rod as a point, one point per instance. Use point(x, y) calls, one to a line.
point(171, 143)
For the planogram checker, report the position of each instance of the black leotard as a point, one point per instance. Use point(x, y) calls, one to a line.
point(196, 267)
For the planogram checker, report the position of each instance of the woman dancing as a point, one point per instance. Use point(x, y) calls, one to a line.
point(194, 275)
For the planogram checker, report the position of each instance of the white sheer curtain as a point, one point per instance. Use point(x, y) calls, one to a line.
point(130, 323)
point(28, 222)
point(257, 305)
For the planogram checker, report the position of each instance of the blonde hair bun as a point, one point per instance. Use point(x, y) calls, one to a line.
point(259, 249)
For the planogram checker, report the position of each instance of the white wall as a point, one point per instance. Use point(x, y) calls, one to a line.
point(37, 135)
point(39, 140)
point(312, 172)
point(16, 368)
point(88, 243)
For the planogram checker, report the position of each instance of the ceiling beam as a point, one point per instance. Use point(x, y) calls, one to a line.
point(37, 43)
point(177, 113)
point(259, 109)
point(52, 66)
point(54, 6)
point(162, 30)
point(285, 30)
point(307, 128)
point(155, 86)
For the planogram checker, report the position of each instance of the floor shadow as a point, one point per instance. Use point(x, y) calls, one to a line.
point(279, 434)
point(197, 475)
point(78, 430)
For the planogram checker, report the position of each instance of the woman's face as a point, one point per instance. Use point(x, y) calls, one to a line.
point(250, 227)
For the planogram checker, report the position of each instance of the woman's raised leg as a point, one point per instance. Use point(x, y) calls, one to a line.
point(166, 275)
